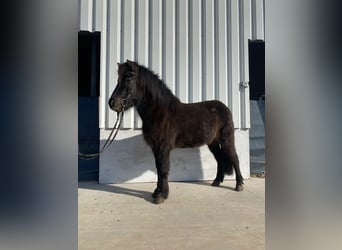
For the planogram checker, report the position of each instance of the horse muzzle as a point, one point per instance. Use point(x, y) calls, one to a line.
point(116, 105)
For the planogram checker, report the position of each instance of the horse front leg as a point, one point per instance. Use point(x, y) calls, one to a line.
point(162, 159)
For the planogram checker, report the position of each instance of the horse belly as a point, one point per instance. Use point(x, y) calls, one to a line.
point(199, 123)
point(196, 135)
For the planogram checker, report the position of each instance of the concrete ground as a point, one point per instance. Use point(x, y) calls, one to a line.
point(195, 216)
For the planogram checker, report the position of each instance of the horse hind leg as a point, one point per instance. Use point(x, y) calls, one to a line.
point(230, 157)
point(232, 162)
point(216, 151)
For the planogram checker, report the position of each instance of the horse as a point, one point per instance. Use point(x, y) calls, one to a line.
point(168, 123)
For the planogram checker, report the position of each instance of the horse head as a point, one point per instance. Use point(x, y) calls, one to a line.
point(125, 91)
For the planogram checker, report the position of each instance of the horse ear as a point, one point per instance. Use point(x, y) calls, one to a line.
point(133, 65)
point(118, 64)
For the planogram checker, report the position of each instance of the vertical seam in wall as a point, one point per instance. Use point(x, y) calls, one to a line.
point(241, 41)
point(147, 33)
point(242, 63)
point(103, 67)
point(136, 35)
point(229, 50)
point(90, 15)
point(203, 48)
point(263, 19)
point(200, 57)
point(216, 48)
point(108, 48)
point(190, 52)
point(177, 67)
point(94, 16)
point(163, 61)
point(135, 56)
point(79, 15)
point(174, 42)
point(150, 5)
point(254, 20)
point(122, 30)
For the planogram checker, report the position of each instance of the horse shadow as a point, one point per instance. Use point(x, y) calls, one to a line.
point(140, 194)
point(112, 188)
point(208, 184)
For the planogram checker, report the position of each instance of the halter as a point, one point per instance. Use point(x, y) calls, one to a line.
point(119, 119)
point(124, 100)
point(109, 141)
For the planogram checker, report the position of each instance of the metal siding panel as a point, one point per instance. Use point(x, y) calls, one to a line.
point(221, 53)
point(113, 55)
point(101, 25)
point(155, 48)
point(127, 47)
point(253, 20)
point(169, 44)
point(86, 14)
point(260, 19)
point(245, 21)
point(141, 41)
point(257, 19)
point(244, 10)
point(208, 51)
point(182, 44)
point(195, 53)
point(98, 15)
point(234, 83)
point(199, 51)
point(142, 32)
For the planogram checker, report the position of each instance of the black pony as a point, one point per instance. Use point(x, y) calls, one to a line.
point(169, 123)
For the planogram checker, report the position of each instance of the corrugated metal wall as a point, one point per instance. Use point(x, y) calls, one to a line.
point(198, 47)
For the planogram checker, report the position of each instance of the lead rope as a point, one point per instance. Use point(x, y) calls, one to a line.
point(109, 140)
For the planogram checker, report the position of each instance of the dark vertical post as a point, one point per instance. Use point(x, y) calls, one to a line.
point(88, 102)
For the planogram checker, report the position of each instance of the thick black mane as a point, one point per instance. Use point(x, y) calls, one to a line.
point(156, 89)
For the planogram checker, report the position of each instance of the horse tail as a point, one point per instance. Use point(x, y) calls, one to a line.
point(227, 160)
point(227, 142)
point(229, 156)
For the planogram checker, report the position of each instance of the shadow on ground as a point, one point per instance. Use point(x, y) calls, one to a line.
point(117, 190)
point(145, 195)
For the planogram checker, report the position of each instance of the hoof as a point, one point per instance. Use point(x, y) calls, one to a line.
point(239, 188)
point(158, 199)
point(154, 194)
point(215, 183)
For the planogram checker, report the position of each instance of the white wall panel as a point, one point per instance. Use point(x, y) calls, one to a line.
point(141, 41)
point(127, 46)
point(113, 57)
point(258, 19)
point(156, 25)
point(208, 48)
point(86, 15)
point(198, 47)
point(99, 15)
point(182, 85)
point(221, 51)
point(195, 51)
point(101, 25)
point(244, 24)
point(233, 65)
point(169, 44)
